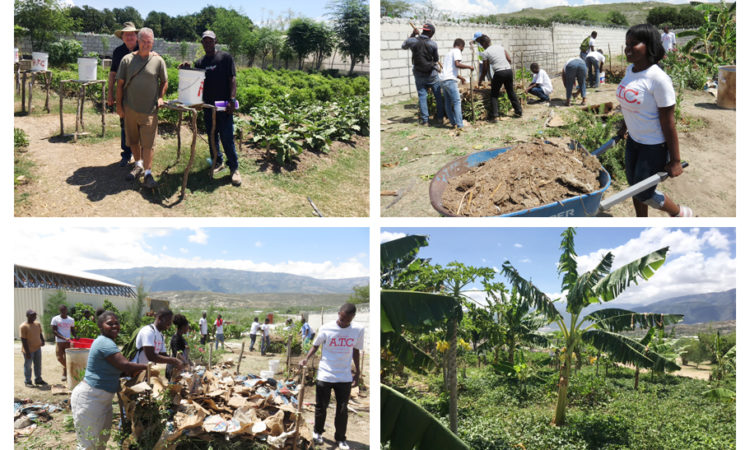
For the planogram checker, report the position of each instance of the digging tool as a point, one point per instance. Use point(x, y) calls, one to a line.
point(300, 403)
point(400, 193)
point(471, 85)
point(242, 350)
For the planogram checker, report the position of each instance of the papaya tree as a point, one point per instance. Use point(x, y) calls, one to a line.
point(600, 284)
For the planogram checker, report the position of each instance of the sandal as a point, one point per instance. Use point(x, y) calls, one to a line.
point(685, 212)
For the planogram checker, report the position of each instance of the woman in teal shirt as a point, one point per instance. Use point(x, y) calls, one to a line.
point(91, 401)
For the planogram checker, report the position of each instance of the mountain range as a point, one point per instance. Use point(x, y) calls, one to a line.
point(228, 281)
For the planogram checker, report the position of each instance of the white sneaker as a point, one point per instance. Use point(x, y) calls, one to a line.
point(317, 439)
point(343, 445)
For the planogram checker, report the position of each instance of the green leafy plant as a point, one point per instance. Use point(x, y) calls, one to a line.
point(20, 139)
point(64, 51)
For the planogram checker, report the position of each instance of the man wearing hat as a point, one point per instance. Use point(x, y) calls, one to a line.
point(424, 57)
point(129, 45)
point(482, 61)
point(220, 84)
point(31, 347)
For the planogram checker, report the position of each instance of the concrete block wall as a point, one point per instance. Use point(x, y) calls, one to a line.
point(550, 47)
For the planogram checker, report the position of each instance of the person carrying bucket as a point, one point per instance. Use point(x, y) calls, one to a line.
point(141, 85)
point(220, 85)
point(129, 45)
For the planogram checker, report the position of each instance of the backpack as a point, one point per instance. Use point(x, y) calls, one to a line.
point(585, 44)
point(422, 58)
point(129, 350)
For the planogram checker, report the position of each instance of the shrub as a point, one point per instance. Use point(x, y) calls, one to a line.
point(20, 139)
point(64, 51)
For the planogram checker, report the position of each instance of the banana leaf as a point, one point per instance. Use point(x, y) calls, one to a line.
point(612, 285)
point(402, 308)
point(398, 248)
point(616, 319)
point(407, 353)
point(408, 426)
point(627, 351)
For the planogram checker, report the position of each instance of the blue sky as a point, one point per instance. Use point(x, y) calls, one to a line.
point(316, 252)
point(700, 259)
point(257, 11)
point(484, 7)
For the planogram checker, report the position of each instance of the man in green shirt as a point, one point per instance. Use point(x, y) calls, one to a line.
point(141, 86)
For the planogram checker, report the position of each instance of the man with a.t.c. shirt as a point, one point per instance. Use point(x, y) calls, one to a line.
point(129, 45)
point(220, 84)
point(341, 342)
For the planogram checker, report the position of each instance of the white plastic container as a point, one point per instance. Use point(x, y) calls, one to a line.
point(75, 363)
point(39, 61)
point(266, 373)
point(274, 365)
point(15, 55)
point(87, 69)
point(191, 86)
point(602, 77)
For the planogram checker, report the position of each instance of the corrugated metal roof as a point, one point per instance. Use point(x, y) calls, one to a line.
point(77, 274)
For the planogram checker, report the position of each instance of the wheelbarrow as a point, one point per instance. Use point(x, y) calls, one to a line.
point(585, 205)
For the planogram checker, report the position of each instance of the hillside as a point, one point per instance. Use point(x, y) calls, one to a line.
point(635, 13)
point(226, 281)
point(274, 301)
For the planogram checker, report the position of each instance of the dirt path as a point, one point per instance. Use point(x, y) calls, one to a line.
point(52, 434)
point(410, 155)
point(84, 178)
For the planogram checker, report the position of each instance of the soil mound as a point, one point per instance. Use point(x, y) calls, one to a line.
point(529, 175)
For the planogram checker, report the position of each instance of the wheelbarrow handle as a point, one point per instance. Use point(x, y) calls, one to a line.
point(635, 189)
point(606, 146)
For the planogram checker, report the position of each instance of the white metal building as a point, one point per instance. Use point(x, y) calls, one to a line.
point(33, 285)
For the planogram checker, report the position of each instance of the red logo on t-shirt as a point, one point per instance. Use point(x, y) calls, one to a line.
point(342, 342)
point(628, 95)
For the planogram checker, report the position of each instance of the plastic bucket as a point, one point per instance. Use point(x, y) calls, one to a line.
point(266, 373)
point(15, 55)
point(726, 96)
point(81, 343)
point(39, 61)
point(75, 362)
point(191, 86)
point(273, 365)
point(602, 77)
point(87, 69)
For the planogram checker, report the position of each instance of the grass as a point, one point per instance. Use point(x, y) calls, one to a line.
point(634, 12)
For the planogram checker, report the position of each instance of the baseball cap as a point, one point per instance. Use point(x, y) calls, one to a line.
point(477, 35)
point(209, 33)
point(428, 27)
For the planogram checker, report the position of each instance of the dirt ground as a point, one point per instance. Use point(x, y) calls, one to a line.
point(411, 155)
point(84, 178)
point(53, 434)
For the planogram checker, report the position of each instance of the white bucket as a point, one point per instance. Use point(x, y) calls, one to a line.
point(39, 61)
point(273, 365)
point(602, 77)
point(266, 373)
point(15, 55)
point(191, 87)
point(75, 363)
point(87, 69)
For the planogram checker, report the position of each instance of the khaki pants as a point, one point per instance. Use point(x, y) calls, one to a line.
point(60, 352)
point(140, 129)
point(92, 416)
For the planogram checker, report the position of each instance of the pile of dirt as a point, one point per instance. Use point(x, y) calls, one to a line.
point(529, 175)
point(213, 404)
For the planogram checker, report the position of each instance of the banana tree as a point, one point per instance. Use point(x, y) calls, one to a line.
point(600, 284)
point(715, 42)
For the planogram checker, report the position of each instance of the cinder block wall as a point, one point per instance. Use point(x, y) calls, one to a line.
point(550, 47)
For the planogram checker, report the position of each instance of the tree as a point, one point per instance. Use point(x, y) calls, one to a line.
point(617, 18)
point(127, 14)
point(394, 8)
point(180, 28)
point(361, 294)
point(715, 42)
point(352, 26)
point(231, 28)
point(399, 310)
point(323, 40)
point(299, 38)
point(249, 46)
point(51, 309)
point(158, 22)
point(601, 284)
point(43, 19)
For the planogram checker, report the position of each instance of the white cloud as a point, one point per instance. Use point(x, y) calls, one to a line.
point(687, 270)
point(199, 236)
point(387, 236)
point(526, 260)
point(122, 248)
point(258, 244)
point(164, 248)
point(517, 245)
point(517, 5)
point(591, 2)
point(467, 7)
point(184, 251)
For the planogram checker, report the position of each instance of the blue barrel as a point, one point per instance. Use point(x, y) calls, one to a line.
point(580, 206)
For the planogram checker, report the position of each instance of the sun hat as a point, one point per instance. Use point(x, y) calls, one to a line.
point(477, 35)
point(129, 26)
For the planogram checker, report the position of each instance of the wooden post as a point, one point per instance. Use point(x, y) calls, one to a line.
point(288, 355)
point(300, 405)
point(23, 93)
point(361, 368)
point(609, 50)
point(242, 350)
point(31, 91)
point(48, 84)
point(83, 104)
point(212, 140)
point(194, 127)
point(148, 373)
point(62, 89)
point(179, 137)
point(210, 352)
point(78, 115)
point(104, 106)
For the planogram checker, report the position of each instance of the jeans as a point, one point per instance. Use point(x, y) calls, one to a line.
point(504, 78)
point(452, 102)
point(36, 359)
point(252, 341)
point(219, 337)
point(265, 341)
point(592, 66)
point(539, 92)
point(323, 397)
point(225, 131)
point(123, 143)
point(203, 339)
point(431, 82)
point(575, 70)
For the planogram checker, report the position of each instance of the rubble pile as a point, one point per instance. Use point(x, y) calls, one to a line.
point(217, 404)
point(27, 414)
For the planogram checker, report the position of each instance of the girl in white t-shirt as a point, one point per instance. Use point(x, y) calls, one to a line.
point(647, 98)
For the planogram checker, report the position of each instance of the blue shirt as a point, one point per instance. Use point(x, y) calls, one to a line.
point(305, 330)
point(99, 372)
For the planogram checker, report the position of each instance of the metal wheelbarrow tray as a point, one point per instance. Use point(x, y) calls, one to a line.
point(584, 205)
